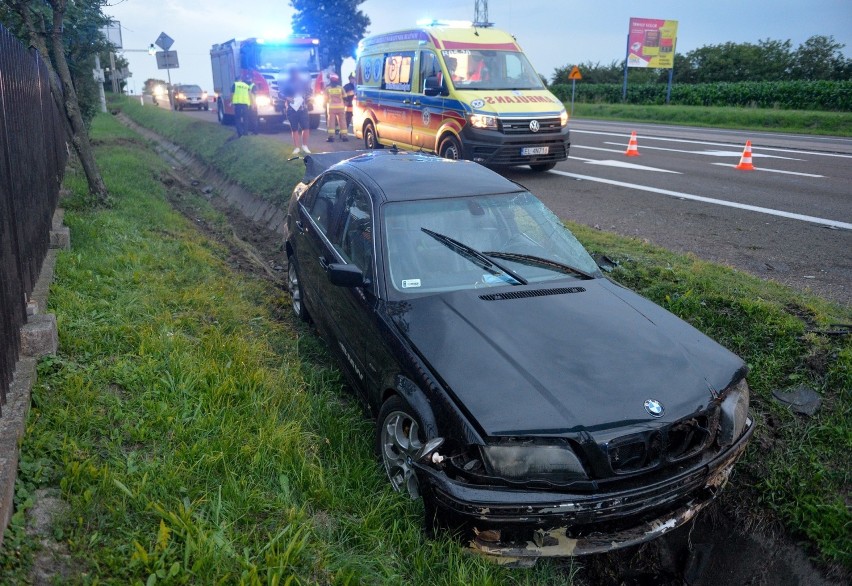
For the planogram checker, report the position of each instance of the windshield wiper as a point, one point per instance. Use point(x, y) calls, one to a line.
point(530, 259)
point(471, 253)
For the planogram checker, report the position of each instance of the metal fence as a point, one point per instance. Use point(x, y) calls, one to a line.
point(32, 159)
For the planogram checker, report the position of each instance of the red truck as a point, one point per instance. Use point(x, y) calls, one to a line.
point(268, 62)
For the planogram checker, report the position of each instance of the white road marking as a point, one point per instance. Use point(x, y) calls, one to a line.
point(588, 148)
point(708, 153)
point(623, 165)
point(720, 144)
point(710, 200)
point(772, 170)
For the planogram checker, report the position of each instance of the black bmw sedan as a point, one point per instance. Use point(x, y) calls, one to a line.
point(537, 407)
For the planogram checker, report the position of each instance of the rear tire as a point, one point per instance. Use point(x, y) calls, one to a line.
point(450, 148)
point(542, 167)
point(294, 286)
point(313, 121)
point(224, 119)
point(371, 138)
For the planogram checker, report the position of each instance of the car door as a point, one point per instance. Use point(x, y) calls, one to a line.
point(353, 308)
point(396, 103)
point(428, 112)
point(316, 222)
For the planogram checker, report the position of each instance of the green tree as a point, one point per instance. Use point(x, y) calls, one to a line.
point(338, 24)
point(66, 34)
point(821, 58)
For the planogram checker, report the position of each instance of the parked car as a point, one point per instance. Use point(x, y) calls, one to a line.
point(536, 406)
point(190, 96)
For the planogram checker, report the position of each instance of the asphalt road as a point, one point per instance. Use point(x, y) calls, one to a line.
point(790, 220)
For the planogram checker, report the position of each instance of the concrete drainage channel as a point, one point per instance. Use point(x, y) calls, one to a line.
point(715, 549)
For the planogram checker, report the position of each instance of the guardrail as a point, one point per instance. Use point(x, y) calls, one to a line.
point(33, 155)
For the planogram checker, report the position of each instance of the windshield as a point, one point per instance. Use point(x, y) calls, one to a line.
point(190, 89)
point(491, 70)
point(419, 262)
point(277, 58)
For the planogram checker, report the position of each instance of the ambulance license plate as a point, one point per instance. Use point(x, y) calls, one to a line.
point(526, 151)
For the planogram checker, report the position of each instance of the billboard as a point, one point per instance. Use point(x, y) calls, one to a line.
point(651, 43)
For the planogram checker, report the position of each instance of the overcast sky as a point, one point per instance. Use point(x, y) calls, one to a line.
point(552, 32)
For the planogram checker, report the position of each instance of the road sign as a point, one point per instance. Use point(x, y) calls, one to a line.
point(167, 60)
point(164, 42)
point(112, 32)
point(575, 73)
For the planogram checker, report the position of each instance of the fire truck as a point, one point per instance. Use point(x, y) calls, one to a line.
point(268, 62)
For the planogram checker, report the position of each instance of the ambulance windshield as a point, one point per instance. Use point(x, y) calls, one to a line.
point(476, 69)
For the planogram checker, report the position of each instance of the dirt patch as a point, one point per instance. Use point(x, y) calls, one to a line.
point(52, 562)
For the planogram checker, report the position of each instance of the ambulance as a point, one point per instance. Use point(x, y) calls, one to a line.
point(462, 91)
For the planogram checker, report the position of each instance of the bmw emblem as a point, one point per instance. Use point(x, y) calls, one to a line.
point(534, 125)
point(654, 408)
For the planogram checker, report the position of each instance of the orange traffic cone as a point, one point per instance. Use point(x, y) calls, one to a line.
point(632, 146)
point(745, 161)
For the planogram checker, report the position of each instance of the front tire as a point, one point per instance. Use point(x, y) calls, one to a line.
point(399, 436)
point(450, 148)
point(313, 121)
point(294, 286)
point(542, 167)
point(371, 138)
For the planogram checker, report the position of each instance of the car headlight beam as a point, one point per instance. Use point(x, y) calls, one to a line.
point(529, 461)
point(734, 413)
point(483, 121)
point(262, 101)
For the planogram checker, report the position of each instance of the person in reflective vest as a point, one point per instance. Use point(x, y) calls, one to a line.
point(241, 99)
point(335, 113)
point(348, 98)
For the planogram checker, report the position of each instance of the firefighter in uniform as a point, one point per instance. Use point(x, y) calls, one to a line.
point(348, 98)
point(335, 113)
point(241, 99)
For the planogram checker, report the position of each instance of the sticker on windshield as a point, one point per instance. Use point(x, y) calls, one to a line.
point(494, 279)
point(410, 283)
point(454, 52)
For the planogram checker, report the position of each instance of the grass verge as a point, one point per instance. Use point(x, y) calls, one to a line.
point(237, 159)
point(798, 469)
point(198, 436)
point(762, 119)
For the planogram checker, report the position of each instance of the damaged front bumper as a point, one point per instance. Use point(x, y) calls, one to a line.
point(516, 527)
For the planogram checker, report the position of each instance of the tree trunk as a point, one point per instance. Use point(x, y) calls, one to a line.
point(79, 132)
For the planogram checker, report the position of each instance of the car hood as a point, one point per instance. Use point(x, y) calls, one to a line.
point(511, 102)
point(560, 364)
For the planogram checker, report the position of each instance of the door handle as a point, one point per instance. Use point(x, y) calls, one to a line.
point(415, 103)
point(406, 101)
point(323, 263)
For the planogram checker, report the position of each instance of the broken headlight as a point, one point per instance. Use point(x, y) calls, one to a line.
point(734, 413)
point(530, 461)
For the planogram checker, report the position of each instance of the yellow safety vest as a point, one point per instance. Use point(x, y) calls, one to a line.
point(335, 97)
point(241, 93)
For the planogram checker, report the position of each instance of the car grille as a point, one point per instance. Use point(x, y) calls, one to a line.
point(511, 154)
point(532, 293)
point(679, 441)
point(522, 125)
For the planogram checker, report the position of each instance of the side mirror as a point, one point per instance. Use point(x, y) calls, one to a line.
point(432, 86)
point(344, 275)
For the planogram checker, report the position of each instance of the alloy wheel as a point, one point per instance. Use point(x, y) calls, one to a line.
point(400, 439)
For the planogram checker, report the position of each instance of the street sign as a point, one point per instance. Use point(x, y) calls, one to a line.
point(164, 42)
point(167, 60)
point(112, 32)
point(575, 73)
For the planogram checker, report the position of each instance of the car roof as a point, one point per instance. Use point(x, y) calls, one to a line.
point(402, 176)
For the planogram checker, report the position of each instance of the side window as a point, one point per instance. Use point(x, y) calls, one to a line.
point(355, 241)
point(328, 196)
point(369, 71)
point(397, 72)
point(429, 67)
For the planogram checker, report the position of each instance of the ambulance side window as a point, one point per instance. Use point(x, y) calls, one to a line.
point(429, 67)
point(369, 71)
point(397, 71)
